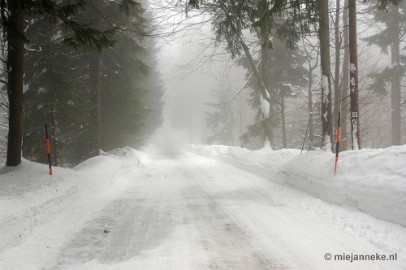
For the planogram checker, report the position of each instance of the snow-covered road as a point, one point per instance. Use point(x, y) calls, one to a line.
point(193, 212)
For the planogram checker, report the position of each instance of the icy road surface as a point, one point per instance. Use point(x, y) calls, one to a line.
point(192, 212)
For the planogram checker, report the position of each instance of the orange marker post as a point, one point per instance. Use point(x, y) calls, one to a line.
point(48, 147)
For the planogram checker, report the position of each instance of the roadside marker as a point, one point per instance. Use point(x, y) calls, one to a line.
point(48, 147)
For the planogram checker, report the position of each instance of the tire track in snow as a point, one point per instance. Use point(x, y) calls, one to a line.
point(148, 216)
point(292, 225)
point(227, 245)
point(196, 213)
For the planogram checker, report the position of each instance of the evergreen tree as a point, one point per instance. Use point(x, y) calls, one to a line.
point(390, 38)
point(61, 90)
point(286, 73)
point(56, 94)
point(269, 21)
point(221, 119)
point(13, 14)
point(131, 95)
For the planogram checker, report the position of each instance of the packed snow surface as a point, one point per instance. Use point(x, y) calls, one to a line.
point(372, 180)
point(208, 207)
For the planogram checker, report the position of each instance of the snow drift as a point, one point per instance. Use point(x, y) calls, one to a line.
point(371, 180)
point(30, 198)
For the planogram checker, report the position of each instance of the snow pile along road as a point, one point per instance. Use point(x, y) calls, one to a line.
point(170, 209)
point(30, 198)
point(373, 181)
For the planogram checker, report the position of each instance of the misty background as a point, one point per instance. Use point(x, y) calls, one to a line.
point(196, 89)
point(201, 77)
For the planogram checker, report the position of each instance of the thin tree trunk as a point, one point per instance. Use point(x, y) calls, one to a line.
point(94, 79)
point(53, 134)
point(257, 75)
point(15, 75)
point(310, 106)
point(310, 103)
point(355, 125)
point(396, 82)
point(241, 122)
point(345, 82)
point(337, 89)
point(283, 122)
point(326, 117)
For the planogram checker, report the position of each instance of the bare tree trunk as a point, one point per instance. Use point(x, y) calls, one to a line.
point(355, 125)
point(326, 123)
point(15, 73)
point(94, 80)
point(257, 75)
point(263, 91)
point(283, 122)
point(265, 79)
point(310, 103)
point(241, 122)
point(53, 133)
point(310, 106)
point(337, 89)
point(396, 81)
point(345, 82)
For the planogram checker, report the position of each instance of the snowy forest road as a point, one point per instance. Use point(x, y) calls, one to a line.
point(193, 212)
point(177, 219)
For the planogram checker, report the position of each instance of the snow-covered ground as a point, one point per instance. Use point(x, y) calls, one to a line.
point(372, 180)
point(206, 208)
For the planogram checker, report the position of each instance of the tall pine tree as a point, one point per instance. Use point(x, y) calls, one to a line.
point(70, 89)
point(389, 40)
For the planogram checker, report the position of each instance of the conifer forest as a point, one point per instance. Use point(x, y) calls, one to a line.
point(90, 69)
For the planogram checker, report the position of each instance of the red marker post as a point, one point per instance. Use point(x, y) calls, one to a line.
point(48, 147)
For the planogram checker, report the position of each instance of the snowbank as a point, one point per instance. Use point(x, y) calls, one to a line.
point(29, 197)
point(373, 181)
